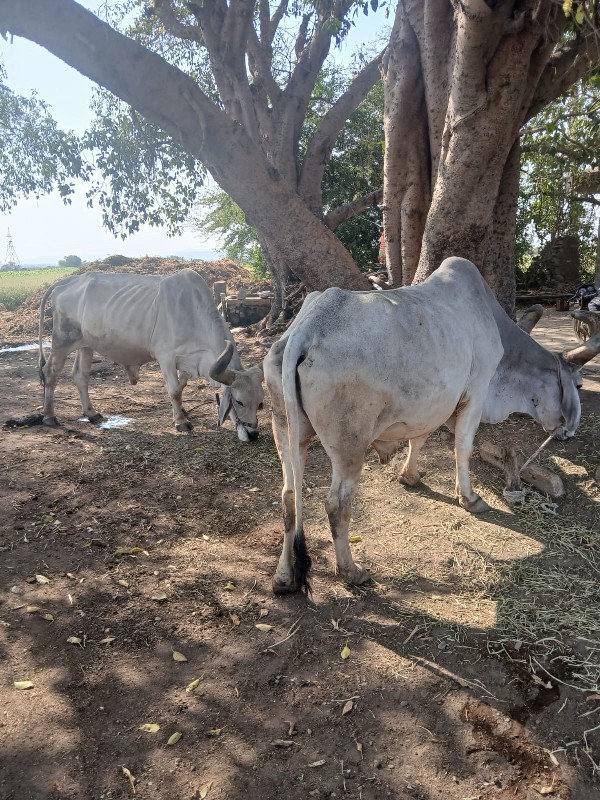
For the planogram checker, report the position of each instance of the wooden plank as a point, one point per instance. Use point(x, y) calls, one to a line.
point(543, 298)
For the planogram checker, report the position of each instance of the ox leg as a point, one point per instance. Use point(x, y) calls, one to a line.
point(175, 385)
point(283, 580)
point(339, 508)
point(81, 376)
point(52, 370)
point(409, 474)
point(467, 422)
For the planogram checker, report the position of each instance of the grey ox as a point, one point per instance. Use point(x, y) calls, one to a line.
point(374, 368)
point(136, 319)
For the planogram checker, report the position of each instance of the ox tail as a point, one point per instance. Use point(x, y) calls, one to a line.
point(42, 358)
point(292, 357)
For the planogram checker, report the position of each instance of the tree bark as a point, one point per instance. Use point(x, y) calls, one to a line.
point(407, 179)
point(499, 261)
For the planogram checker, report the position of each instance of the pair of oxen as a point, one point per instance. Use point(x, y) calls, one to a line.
point(356, 369)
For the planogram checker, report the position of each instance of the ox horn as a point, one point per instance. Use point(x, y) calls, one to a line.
point(531, 318)
point(583, 316)
point(582, 354)
point(219, 372)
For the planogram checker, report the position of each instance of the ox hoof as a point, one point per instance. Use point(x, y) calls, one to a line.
point(281, 586)
point(184, 427)
point(411, 479)
point(93, 418)
point(51, 422)
point(476, 506)
point(355, 576)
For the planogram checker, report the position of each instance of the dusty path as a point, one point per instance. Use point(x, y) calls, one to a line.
point(473, 666)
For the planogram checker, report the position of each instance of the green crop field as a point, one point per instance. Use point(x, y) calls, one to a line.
point(16, 286)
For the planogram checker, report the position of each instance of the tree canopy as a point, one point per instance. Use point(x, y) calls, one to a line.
point(36, 157)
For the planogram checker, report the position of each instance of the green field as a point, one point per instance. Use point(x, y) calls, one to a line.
point(16, 286)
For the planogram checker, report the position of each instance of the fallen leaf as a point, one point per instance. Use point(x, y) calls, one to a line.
point(345, 652)
point(317, 763)
point(348, 706)
point(262, 626)
point(108, 640)
point(70, 575)
point(359, 747)
point(160, 597)
point(254, 489)
point(204, 790)
point(282, 743)
point(74, 640)
point(149, 727)
point(174, 738)
point(263, 612)
point(336, 624)
point(23, 684)
point(545, 790)
point(193, 685)
point(49, 617)
point(42, 579)
point(129, 777)
point(178, 656)
point(214, 732)
point(35, 609)
point(123, 582)
point(234, 618)
point(229, 586)
point(588, 698)
point(355, 538)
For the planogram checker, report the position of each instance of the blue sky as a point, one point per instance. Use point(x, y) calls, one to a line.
point(45, 230)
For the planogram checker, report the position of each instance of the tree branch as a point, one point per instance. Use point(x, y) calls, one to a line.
point(322, 142)
point(340, 214)
point(263, 59)
point(568, 65)
point(296, 95)
point(164, 12)
point(144, 80)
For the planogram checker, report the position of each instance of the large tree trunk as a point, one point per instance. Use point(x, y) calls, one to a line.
point(407, 176)
point(499, 260)
point(502, 69)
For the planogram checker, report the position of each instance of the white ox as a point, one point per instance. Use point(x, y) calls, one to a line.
point(374, 368)
point(136, 319)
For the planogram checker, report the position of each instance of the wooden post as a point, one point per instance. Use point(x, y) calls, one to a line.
point(219, 288)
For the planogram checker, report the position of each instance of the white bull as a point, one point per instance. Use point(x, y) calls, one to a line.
point(373, 368)
point(136, 319)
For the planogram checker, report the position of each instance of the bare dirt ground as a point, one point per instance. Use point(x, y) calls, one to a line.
point(474, 655)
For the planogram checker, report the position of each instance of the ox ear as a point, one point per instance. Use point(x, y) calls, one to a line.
point(219, 372)
point(531, 318)
point(584, 353)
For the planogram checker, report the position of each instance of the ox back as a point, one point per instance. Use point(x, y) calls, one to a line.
point(136, 319)
point(374, 368)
